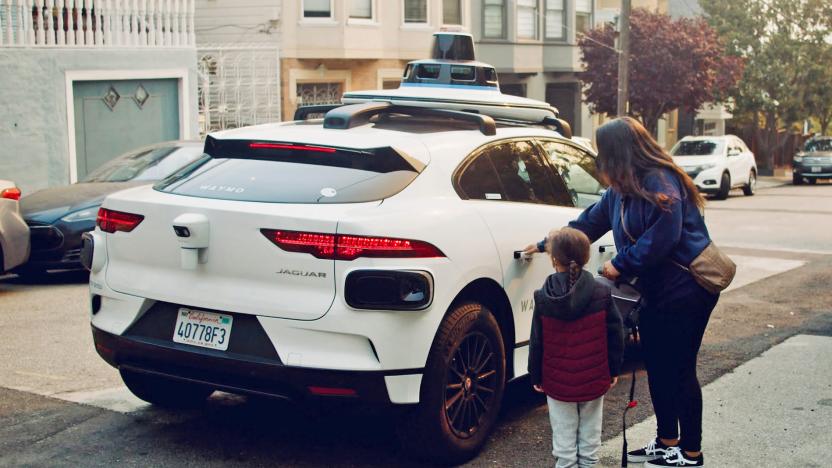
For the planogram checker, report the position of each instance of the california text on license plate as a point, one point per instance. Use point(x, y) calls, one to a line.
point(206, 329)
point(816, 169)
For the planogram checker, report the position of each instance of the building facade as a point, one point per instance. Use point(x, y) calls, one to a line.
point(533, 45)
point(83, 82)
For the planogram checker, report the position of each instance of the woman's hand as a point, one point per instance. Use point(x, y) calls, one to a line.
point(531, 249)
point(609, 271)
point(537, 388)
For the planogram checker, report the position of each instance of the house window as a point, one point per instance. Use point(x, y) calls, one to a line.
point(583, 16)
point(513, 89)
point(416, 11)
point(527, 19)
point(310, 94)
point(361, 9)
point(494, 19)
point(555, 19)
point(451, 12)
point(317, 9)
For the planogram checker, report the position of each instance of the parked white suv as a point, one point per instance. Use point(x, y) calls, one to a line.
point(373, 260)
point(717, 164)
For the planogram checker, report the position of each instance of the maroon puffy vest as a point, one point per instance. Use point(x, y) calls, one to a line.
point(575, 364)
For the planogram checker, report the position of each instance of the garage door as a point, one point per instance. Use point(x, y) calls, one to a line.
point(112, 117)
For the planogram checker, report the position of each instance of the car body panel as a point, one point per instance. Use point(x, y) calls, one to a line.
point(14, 234)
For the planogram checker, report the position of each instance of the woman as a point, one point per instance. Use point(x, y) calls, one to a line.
point(654, 211)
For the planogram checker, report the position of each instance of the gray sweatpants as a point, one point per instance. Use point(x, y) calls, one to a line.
point(576, 432)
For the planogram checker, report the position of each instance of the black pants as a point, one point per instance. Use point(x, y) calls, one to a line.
point(671, 335)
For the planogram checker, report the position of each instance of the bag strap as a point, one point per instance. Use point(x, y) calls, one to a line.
point(632, 403)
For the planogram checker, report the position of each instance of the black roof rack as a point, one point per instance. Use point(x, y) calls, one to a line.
point(353, 115)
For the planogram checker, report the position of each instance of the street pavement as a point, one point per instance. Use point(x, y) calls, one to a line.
point(61, 405)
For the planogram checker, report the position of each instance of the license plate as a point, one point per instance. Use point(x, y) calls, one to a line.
point(205, 329)
point(816, 169)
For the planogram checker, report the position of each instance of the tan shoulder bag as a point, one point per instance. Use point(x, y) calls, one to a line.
point(711, 269)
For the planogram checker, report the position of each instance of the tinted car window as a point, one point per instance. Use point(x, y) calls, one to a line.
point(578, 171)
point(522, 173)
point(697, 148)
point(479, 181)
point(146, 164)
point(819, 145)
point(286, 173)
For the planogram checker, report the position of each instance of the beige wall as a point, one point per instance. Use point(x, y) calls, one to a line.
point(237, 21)
point(655, 5)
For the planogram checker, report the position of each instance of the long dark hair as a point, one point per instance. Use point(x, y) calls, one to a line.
point(627, 151)
point(570, 247)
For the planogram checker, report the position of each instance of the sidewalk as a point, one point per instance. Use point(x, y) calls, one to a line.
point(772, 411)
point(767, 182)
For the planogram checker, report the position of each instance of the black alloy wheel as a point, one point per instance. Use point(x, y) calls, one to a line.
point(471, 385)
point(462, 388)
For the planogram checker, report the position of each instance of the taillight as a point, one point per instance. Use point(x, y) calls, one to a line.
point(349, 247)
point(12, 193)
point(112, 221)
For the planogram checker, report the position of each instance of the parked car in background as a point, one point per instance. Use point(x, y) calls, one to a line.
point(57, 217)
point(14, 234)
point(814, 162)
point(717, 164)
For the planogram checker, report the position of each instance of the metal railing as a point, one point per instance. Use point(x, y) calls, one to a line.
point(97, 23)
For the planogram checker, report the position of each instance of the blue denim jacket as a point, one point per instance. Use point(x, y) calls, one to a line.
point(663, 237)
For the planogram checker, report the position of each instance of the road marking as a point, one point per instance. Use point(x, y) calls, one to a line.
point(768, 248)
point(44, 376)
point(752, 269)
point(118, 399)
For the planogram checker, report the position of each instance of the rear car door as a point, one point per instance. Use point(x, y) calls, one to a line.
point(512, 188)
point(737, 163)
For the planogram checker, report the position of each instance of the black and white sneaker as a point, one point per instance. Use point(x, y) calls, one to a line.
point(654, 450)
point(676, 457)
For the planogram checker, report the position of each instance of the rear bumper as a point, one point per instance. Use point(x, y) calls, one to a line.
point(237, 373)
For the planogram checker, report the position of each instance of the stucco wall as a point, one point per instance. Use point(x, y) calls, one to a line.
point(34, 144)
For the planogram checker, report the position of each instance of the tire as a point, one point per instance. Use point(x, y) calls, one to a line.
point(456, 412)
point(813, 181)
point(724, 187)
point(797, 180)
point(750, 186)
point(164, 392)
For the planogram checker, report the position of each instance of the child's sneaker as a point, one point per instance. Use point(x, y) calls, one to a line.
point(676, 457)
point(654, 450)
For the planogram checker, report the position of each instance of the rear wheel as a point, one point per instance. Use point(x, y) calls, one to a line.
point(462, 388)
point(165, 392)
point(813, 181)
point(797, 179)
point(750, 186)
point(724, 187)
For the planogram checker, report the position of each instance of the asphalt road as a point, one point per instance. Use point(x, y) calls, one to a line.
point(780, 239)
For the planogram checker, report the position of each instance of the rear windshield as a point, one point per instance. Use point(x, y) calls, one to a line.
point(697, 148)
point(273, 172)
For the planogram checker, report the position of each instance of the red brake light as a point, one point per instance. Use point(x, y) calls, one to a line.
point(112, 221)
point(349, 247)
point(291, 147)
point(12, 193)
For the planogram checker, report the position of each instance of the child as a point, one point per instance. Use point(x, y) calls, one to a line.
point(576, 346)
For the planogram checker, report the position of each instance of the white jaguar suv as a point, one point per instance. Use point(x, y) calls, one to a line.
point(368, 256)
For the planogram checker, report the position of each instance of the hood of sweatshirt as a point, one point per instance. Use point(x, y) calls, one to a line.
point(557, 300)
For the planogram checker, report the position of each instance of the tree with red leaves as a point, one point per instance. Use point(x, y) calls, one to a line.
point(673, 64)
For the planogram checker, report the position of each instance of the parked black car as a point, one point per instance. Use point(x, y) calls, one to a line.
point(814, 162)
point(57, 217)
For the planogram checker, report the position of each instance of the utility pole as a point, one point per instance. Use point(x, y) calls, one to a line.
point(623, 58)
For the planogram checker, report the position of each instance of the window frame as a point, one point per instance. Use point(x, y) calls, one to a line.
point(503, 26)
point(317, 19)
point(406, 24)
point(536, 36)
point(564, 22)
point(373, 19)
point(476, 153)
point(590, 22)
